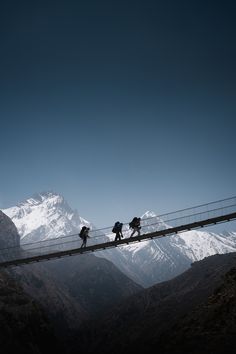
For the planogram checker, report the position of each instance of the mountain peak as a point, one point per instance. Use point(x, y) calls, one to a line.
point(148, 214)
point(45, 215)
point(50, 196)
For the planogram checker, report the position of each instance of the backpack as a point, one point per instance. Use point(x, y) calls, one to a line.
point(131, 225)
point(81, 234)
point(133, 222)
point(117, 227)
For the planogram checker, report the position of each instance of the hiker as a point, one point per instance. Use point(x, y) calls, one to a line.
point(117, 229)
point(135, 225)
point(84, 235)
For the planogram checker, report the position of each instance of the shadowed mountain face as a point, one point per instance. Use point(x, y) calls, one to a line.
point(93, 282)
point(9, 237)
point(65, 313)
point(194, 310)
point(210, 326)
point(75, 289)
point(24, 327)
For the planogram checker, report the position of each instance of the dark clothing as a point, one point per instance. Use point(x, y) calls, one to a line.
point(84, 235)
point(118, 230)
point(135, 224)
point(118, 235)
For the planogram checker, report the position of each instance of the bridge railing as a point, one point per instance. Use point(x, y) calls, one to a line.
point(200, 212)
point(148, 224)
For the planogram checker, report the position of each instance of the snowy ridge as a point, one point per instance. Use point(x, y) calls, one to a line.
point(47, 215)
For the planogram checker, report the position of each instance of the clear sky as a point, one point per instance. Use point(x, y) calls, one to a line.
point(120, 106)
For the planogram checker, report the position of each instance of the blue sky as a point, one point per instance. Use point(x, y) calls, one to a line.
point(121, 107)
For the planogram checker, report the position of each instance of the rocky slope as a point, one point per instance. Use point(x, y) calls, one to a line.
point(9, 237)
point(65, 313)
point(210, 327)
point(24, 326)
point(192, 313)
point(94, 283)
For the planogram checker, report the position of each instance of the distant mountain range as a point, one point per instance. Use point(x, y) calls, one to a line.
point(47, 215)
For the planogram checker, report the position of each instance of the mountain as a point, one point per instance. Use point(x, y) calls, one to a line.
point(211, 326)
point(157, 260)
point(46, 306)
point(9, 237)
point(24, 325)
point(40, 284)
point(192, 313)
point(94, 283)
point(47, 215)
point(71, 290)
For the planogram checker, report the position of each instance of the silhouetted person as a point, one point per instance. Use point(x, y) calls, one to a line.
point(84, 235)
point(117, 229)
point(135, 225)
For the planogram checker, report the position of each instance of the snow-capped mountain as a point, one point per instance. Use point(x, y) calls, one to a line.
point(47, 215)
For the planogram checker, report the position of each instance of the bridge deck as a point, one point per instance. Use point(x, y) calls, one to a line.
point(111, 244)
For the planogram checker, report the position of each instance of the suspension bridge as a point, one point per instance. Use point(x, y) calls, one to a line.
point(101, 239)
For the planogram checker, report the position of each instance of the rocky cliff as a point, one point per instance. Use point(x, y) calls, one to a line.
point(9, 237)
point(24, 326)
point(192, 313)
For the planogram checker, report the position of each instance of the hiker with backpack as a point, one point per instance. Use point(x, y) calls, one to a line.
point(84, 235)
point(117, 229)
point(135, 225)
